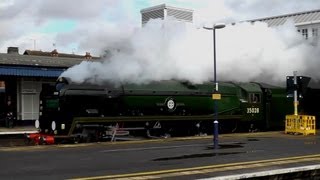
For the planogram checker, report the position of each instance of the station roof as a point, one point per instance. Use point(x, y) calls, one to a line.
point(300, 18)
point(60, 55)
point(44, 61)
point(163, 6)
point(38, 63)
point(30, 71)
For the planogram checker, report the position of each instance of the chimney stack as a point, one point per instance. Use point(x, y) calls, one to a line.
point(88, 56)
point(13, 50)
point(54, 53)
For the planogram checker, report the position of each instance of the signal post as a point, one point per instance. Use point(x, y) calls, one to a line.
point(298, 124)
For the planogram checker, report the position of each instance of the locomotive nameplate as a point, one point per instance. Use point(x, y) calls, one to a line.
point(216, 96)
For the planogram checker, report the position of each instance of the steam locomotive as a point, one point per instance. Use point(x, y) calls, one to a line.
point(91, 112)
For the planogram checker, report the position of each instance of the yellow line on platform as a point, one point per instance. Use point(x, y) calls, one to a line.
point(206, 169)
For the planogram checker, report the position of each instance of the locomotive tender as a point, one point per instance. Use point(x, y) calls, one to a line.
point(86, 111)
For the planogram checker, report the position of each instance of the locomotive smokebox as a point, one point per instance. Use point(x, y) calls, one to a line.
point(61, 82)
point(64, 80)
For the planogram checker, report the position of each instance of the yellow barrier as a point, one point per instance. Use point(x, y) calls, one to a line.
point(300, 124)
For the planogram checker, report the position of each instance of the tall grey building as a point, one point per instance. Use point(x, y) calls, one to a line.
point(163, 11)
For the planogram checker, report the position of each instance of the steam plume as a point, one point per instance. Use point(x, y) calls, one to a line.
point(167, 49)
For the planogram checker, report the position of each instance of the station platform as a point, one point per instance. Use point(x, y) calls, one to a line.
point(261, 155)
point(258, 155)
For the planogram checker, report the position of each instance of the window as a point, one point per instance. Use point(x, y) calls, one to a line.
point(2, 86)
point(305, 33)
point(254, 98)
point(314, 32)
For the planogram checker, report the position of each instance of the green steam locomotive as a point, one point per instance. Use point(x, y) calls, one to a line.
point(86, 111)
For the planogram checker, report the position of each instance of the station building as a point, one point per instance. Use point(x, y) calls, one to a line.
point(22, 75)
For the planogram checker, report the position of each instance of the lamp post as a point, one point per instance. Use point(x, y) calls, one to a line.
point(215, 122)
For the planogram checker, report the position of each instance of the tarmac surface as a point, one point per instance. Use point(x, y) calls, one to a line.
point(246, 155)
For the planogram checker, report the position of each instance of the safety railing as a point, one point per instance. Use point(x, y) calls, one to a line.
point(300, 124)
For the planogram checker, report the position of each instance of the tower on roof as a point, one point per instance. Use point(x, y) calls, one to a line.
point(163, 12)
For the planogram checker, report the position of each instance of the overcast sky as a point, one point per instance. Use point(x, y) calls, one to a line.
point(81, 26)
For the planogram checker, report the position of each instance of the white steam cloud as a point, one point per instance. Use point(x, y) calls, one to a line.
point(164, 50)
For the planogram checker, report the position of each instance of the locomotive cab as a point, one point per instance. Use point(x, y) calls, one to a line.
point(252, 105)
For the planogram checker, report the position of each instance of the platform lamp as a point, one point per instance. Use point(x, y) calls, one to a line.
point(215, 95)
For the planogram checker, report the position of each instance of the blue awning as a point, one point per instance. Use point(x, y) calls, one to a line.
point(30, 71)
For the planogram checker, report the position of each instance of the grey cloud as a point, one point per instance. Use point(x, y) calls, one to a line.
point(10, 10)
point(69, 9)
point(101, 22)
point(80, 9)
point(97, 38)
point(18, 18)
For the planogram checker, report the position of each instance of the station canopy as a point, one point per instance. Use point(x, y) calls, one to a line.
point(30, 71)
